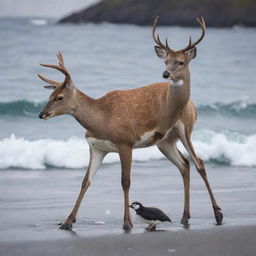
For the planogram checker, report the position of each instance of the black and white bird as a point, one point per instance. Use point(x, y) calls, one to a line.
point(149, 215)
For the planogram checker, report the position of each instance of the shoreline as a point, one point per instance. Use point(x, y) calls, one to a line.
point(239, 240)
point(34, 202)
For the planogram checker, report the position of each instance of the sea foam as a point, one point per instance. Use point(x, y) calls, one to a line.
point(38, 22)
point(74, 153)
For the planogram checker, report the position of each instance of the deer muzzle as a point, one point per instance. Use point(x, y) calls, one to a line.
point(45, 116)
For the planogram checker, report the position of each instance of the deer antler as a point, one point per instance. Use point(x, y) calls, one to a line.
point(61, 67)
point(52, 82)
point(190, 44)
point(157, 39)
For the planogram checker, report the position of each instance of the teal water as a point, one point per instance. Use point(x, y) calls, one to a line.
point(104, 57)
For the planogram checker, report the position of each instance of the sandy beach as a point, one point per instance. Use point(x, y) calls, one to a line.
point(33, 202)
point(216, 241)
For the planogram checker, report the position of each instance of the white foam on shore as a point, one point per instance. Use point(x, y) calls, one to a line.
point(74, 152)
point(38, 22)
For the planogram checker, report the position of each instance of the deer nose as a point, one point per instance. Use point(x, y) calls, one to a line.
point(166, 74)
point(41, 115)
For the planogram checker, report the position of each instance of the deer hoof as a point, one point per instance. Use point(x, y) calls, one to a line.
point(66, 226)
point(184, 220)
point(127, 227)
point(219, 217)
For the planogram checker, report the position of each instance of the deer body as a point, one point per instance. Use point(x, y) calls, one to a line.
point(115, 121)
point(141, 139)
point(157, 114)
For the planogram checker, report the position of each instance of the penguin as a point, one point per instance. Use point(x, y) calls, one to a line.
point(149, 215)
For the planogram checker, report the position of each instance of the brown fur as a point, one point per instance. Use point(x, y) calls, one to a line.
point(128, 114)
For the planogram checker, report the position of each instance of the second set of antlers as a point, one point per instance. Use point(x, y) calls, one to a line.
point(167, 48)
point(61, 67)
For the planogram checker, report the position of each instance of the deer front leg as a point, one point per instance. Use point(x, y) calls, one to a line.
point(125, 153)
point(96, 158)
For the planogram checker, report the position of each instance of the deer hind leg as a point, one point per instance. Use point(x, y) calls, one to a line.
point(184, 135)
point(96, 158)
point(169, 148)
point(125, 153)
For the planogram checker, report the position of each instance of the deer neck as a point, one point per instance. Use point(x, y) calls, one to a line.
point(179, 93)
point(86, 111)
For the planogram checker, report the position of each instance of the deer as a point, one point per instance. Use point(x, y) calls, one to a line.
point(177, 73)
point(122, 120)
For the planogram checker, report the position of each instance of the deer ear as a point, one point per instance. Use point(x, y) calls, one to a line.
point(52, 87)
point(160, 52)
point(191, 53)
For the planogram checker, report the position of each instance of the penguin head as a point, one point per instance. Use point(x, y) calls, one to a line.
point(136, 205)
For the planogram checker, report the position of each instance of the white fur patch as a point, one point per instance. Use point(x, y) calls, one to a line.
point(96, 161)
point(103, 145)
point(177, 83)
point(144, 139)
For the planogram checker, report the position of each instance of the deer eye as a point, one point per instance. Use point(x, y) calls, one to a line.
point(59, 98)
point(181, 63)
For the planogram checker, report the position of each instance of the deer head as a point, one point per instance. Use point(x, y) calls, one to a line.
point(176, 61)
point(61, 100)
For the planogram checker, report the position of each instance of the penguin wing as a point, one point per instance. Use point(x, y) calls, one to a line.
point(152, 213)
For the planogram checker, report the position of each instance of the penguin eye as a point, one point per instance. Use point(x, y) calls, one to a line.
point(136, 206)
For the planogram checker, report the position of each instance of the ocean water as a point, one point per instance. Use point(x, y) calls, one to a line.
point(105, 57)
point(42, 162)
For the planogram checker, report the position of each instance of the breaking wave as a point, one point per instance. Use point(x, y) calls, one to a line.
point(237, 109)
point(74, 153)
point(20, 108)
point(234, 109)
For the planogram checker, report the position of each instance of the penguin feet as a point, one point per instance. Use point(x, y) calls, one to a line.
point(151, 228)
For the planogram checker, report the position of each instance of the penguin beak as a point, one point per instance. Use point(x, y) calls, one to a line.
point(131, 206)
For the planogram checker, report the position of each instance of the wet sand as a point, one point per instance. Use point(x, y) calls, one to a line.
point(235, 241)
point(32, 203)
